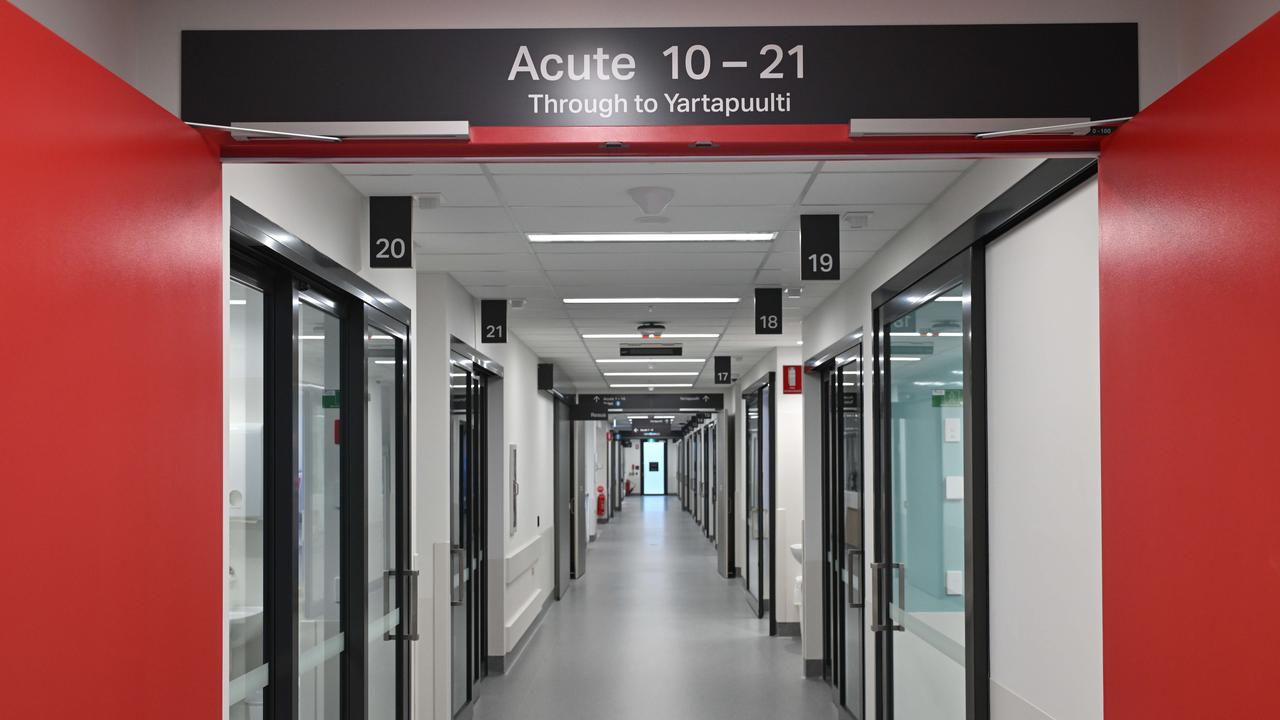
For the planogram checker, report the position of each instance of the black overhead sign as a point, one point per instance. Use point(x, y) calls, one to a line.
point(602, 406)
point(768, 311)
point(723, 370)
point(661, 76)
point(391, 232)
point(819, 247)
point(493, 321)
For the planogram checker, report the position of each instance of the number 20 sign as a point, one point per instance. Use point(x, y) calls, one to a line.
point(391, 232)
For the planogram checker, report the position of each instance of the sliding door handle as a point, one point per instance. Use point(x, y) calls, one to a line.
point(882, 614)
point(848, 585)
point(408, 627)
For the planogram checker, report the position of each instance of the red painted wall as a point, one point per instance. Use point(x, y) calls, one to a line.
point(1190, 282)
point(111, 420)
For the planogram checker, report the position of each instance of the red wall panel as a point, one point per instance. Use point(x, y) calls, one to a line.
point(1190, 317)
point(111, 429)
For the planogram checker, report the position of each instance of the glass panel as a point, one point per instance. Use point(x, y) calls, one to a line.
point(244, 503)
point(460, 458)
point(320, 638)
point(383, 357)
point(849, 526)
point(753, 494)
point(926, 414)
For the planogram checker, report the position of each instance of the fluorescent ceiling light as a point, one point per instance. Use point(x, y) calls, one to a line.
point(697, 410)
point(649, 374)
point(652, 360)
point(949, 298)
point(900, 358)
point(637, 417)
point(654, 237)
point(239, 302)
point(664, 417)
point(311, 337)
point(633, 336)
point(384, 362)
point(649, 385)
point(649, 301)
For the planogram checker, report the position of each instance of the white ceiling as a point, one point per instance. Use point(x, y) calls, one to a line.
point(478, 236)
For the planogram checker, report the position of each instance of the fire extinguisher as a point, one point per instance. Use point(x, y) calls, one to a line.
point(599, 501)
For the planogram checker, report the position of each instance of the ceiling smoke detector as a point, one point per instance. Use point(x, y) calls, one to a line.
point(653, 202)
point(516, 303)
point(650, 330)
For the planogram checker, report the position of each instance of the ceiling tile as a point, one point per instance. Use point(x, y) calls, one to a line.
point(878, 188)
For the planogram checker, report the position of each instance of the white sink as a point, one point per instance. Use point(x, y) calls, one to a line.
point(797, 551)
point(246, 624)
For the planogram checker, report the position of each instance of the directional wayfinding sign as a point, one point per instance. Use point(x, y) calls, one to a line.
point(599, 406)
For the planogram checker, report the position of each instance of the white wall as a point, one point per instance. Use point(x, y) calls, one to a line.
point(1045, 470)
point(1211, 26)
point(105, 30)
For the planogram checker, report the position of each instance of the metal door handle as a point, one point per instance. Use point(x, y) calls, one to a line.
point(455, 571)
point(881, 613)
point(848, 584)
point(409, 612)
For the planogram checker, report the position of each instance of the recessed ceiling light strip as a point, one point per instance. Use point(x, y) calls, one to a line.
point(649, 301)
point(654, 237)
point(639, 336)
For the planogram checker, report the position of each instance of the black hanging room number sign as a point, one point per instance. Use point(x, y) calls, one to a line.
point(493, 321)
point(391, 232)
point(724, 374)
point(768, 311)
point(819, 247)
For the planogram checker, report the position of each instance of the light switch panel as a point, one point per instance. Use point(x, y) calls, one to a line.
point(952, 430)
point(955, 487)
point(955, 582)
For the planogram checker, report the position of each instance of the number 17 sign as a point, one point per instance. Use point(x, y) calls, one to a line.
point(819, 247)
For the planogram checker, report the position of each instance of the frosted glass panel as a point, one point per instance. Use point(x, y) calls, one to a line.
point(243, 499)
point(320, 510)
point(926, 370)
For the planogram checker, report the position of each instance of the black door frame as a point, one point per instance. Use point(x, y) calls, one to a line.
point(480, 371)
point(284, 267)
point(763, 389)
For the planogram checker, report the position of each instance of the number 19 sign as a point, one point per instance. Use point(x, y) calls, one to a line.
point(819, 247)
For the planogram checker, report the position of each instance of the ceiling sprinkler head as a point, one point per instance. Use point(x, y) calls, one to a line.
point(652, 200)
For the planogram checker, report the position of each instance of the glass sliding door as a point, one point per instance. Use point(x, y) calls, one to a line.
point(320, 633)
point(320, 594)
point(654, 459)
point(932, 514)
point(849, 486)
point(753, 566)
point(461, 488)
point(247, 662)
point(759, 405)
point(468, 462)
point(386, 368)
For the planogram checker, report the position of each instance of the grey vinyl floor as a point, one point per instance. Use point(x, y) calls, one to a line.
point(652, 632)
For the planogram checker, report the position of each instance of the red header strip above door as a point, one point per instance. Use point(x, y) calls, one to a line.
point(648, 142)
